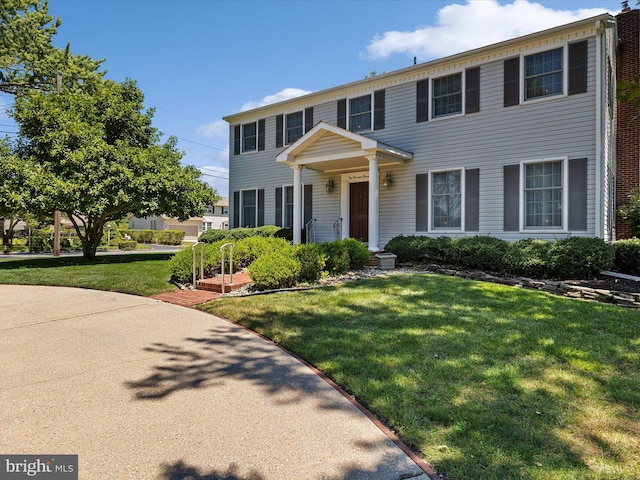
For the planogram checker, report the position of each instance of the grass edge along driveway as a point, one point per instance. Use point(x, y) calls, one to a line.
point(482, 380)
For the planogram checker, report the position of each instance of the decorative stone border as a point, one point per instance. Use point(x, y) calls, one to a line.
point(621, 299)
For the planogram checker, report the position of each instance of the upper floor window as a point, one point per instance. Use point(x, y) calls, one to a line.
point(543, 74)
point(293, 127)
point(447, 95)
point(249, 137)
point(360, 113)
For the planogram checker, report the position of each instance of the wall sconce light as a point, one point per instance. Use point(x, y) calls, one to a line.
point(329, 187)
point(388, 181)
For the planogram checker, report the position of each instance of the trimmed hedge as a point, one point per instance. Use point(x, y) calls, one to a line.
point(277, 270)
point(182, 262)
point(162, 237)
point(627, 256)
point(235, 234)
point(573, 257)
point(358, 252)
point(127, 244)
point(312, 258)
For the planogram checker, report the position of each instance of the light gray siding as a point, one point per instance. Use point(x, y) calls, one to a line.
point(554, 127)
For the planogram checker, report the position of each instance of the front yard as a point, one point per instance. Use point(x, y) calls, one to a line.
point(482, 380)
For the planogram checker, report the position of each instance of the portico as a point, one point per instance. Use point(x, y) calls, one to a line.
point(330, 149)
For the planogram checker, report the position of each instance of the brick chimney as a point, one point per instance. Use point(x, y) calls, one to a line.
point(628, 136)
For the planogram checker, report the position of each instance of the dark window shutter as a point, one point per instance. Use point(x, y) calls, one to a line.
point(378, 112)
point(422, 100)
point(279, 129)
point(308, 119)
point(577, 67)
point(578, 194)
point(261, 134)
point(511, 198)
point(342, 113)
point(472, 87)
point(512, 82)
point(422, 202)
point(308, 204)
point(236, 140)
point(236, 209)
point(472, 200)
point(278, 222)
point(260, 207)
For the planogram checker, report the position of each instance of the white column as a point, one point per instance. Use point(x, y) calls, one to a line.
point(374, 202)
point(297, 203)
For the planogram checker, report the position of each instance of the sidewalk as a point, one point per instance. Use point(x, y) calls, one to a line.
point(143, 389)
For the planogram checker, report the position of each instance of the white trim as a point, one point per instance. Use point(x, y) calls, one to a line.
point(430, 227)
point(600, 85)
point(565, 197)
point(348, 112)
point(283, 217)
point(242, 150)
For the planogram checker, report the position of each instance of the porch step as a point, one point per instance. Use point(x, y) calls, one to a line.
point(215, 284)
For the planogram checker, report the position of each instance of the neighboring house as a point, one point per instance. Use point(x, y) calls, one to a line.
point(216, 216)
point(513, 140)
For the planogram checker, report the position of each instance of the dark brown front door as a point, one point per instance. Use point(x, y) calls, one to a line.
point(359, 211)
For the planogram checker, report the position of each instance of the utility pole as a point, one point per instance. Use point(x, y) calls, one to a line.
point(56, 218)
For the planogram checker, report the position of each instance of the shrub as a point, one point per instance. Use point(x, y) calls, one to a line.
point(277, 270)
point(358, 252)
point(312, 258)
point(127, 244)
point(212, 236)
point(337, 261)
point(407, 249)
point(168, 237)
point(249, 249)
point(528, 257)
point(480, 252)
point(631, 212)
point(436, 249)
point(182, 262)
point(140, 236)
point(627, 256)
point(579, 257)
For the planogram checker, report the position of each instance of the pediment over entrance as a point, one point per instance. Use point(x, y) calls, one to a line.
point(328, 148)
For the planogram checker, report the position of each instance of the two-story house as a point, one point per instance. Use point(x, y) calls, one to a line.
point(513, 140)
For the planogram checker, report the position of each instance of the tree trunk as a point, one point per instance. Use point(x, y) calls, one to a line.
point(91, 240)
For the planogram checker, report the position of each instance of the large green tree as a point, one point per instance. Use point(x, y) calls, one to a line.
point(101, 158)
point(28, 59)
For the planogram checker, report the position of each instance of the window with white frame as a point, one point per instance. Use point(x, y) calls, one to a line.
point(543, 194)
point(360, 113)
point(447, 95)
point(543, 73)
point(249, 137)
point(446, 200)
point(249, 208)
point(294, 127)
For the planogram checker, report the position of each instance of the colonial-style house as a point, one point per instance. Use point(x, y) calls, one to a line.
point(513, 140)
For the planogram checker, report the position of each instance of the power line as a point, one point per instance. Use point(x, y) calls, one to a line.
point(214, 176)
point(201, 144)
point(215, 169)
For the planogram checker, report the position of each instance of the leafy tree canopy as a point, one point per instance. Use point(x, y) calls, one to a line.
point(28, 58)
point(101, 158)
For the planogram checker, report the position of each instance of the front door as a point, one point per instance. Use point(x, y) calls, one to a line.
point(359, 211)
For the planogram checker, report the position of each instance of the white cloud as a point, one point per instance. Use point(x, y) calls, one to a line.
point(217, 129)
point(282, 95)
point(461, 27)
point(217, 177)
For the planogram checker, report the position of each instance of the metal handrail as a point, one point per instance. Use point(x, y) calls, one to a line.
point(310, 230)
point(337, 229)
point(222, 249)
point(193, 250)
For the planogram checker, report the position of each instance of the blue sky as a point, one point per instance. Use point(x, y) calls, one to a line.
point(199, 60)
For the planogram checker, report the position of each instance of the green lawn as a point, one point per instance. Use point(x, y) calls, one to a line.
point(482, 380)
point(138, 274)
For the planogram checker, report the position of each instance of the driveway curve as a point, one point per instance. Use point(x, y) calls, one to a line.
point(138, 388)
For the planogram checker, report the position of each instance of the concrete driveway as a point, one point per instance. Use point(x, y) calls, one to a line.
point(146, 390)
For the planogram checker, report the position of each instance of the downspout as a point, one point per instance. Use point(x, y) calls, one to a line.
point(599, 213)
